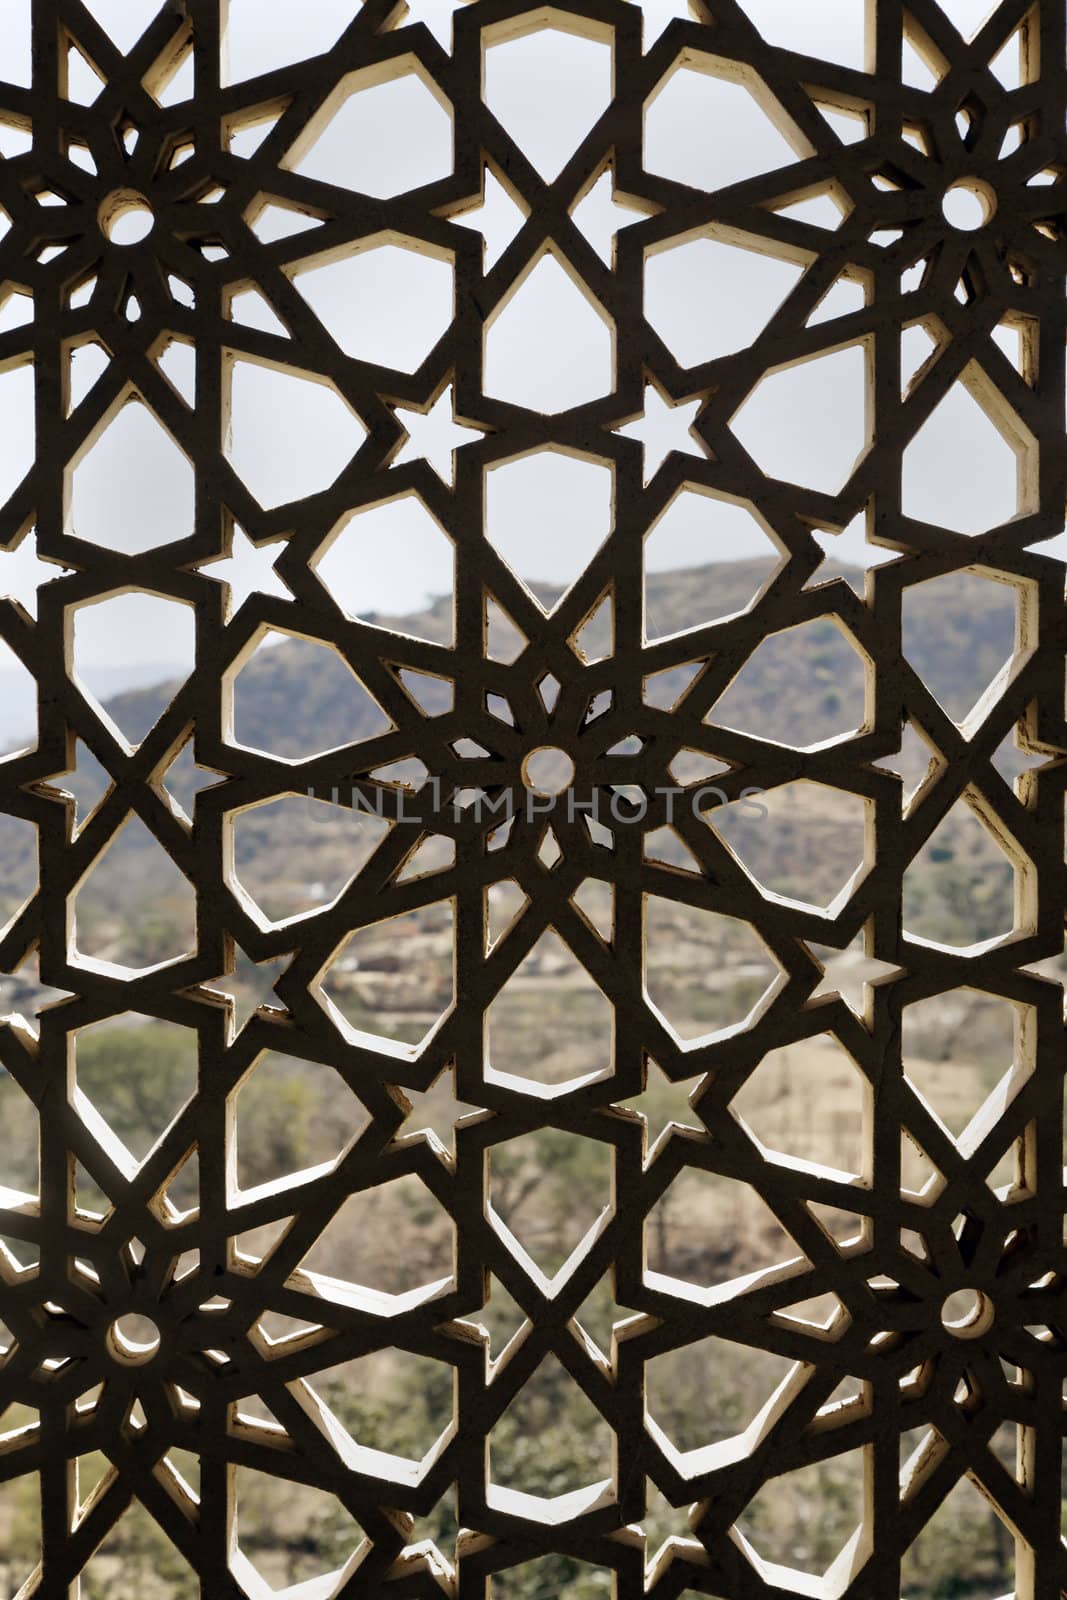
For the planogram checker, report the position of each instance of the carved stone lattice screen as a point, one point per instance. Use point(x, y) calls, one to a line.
point(808, 1298)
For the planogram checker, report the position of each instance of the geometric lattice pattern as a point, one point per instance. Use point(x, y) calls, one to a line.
point(175, 1331)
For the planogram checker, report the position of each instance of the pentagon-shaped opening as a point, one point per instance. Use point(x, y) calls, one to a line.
point(20, 1174)
point(807, 423)
point(295, 855)
point(805, 686)
point(549, 346)
point(550, 1189)
point(284, 669)
point(705, 559)
point(132, 1078)
point(131, 487)
point(697, 326)
point(967, 1053)
point(965, 888)
point(551, 1444)
point(706, 973)
point(17, 414)
point(386, 1248)
point(547, 514)
point(547, 58)
point(134, 910)
point(392, 565)
point(390, 983)
point(383, 131)
point(156, 632)
point(292, 1119)
point(388, 303)
point(808, 1103)
point(959, 634)
point(138, 1556)
point(550, 1025)
point(288, 434)
point(802, 841)
point(967, 466)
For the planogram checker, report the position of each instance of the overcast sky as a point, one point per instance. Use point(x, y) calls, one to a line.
point(548, 349)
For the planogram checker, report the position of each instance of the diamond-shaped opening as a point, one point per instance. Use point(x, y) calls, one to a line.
point(290, 1538)
point(249, 48)
point(379, 135)
point(551, 1575)
point(393, 1241)
point(809, 1521)
point(959, 634)
point(966, 467)
point(158, 633)
point(551, 1443)
point(964, 1051)
point(706, 973)
point(740, 123)
point(803, 842)
point(136, 1074)
point(131, 488)
point(393, 981)
point(834, 30)
point(547, 514)
point(807, 423)
point(17, 425)
point(960, 890)
point(134, 909)
point(389, 303)
point(281, 669)
point(544, 62)
point(550, 345)
point(18, 1116)
point(291, 1115)
point(697, 326)
point(287, 435)
point(550, 1024)
point(395, 1408)
point(293, 856)
point(549, 1189)
point(805, 682)
point(392, 564)
point(712, 1234)
point(964, 1546)
point(705, 558)
point(807, 1102)
point(711, 1393)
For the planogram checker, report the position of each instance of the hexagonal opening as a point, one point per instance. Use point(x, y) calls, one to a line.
point(386, 1248)
point(293, 856)
point(805, 686)
point(739, 117)
point(804, 842)
point(389, 302)
point(392, 564)
point(808, 1103)
point(390, 984)
point(293, 1119)
point(706, 973)
point(336, 707)
point(697, 326)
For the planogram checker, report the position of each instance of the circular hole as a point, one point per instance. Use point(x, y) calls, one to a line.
point(548, 770)
point(967, 1313)
point(133, 1339)
point(126, 217)
point(968, 205)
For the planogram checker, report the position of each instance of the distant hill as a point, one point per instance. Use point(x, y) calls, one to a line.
point(806, 684)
